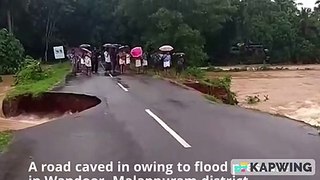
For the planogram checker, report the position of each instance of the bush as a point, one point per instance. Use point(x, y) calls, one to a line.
point(31, 72)
point(194, 72)
point(5, 138)
point(1, 79)
point(224, 82)
point(11, 53)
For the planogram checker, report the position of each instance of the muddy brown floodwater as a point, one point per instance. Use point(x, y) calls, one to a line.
point(5, 86)
point(294, 94)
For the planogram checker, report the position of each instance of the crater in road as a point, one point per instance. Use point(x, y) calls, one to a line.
point(48, 105)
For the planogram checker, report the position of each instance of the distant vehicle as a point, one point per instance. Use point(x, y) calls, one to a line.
point(250, 53)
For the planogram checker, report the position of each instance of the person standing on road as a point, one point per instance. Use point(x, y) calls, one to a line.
point(88, 64)
point(180, 65)
point(128, 60)
point(107, 59)
point(138, 64)
point(73, 58)
point(113, 57)
point(82, 64)
point(155, 61)
point(95, 61)
point(166, 58)
point(122, 61)
point(145, 62)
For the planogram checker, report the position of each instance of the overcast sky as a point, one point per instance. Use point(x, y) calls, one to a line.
point(307, 3)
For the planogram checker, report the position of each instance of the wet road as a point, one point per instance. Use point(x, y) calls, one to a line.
point(142, 120)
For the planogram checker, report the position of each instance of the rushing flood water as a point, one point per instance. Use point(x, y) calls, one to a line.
point(20, 122)
point(294, 94)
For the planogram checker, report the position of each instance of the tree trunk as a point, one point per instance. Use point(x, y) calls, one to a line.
point(9, 19)
point(47, 39)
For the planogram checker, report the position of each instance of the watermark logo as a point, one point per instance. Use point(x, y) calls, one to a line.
point(242, 167)
point(273, 167)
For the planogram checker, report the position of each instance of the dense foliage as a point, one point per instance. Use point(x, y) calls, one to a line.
point(31, 72)
point(206, 30)
point(11, 53)
point(35, 79)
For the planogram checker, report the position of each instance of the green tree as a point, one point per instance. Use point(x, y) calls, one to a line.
point(11, 53)
point(47, 14)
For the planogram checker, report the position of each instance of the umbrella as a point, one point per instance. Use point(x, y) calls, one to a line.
point(179, 54)
point(136, 52)
point(85, 45)
point(108, 45)
point(124, 47)
point(117, 45)
point(166, 48)
point(85, 49)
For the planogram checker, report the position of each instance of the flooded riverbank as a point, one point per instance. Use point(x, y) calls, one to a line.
point(6, 124)
point(294, 94)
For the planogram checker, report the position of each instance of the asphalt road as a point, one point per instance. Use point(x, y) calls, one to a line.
point(143, 120)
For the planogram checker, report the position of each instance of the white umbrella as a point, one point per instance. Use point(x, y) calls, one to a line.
point(179, 54)
point(85, 45)
point(166, 48)
point(107, 45)
point(124, 47)
point(85, 49)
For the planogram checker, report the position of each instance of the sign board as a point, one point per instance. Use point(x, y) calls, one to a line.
point(58, 52)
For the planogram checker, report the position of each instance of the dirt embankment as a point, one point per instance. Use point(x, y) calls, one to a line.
point(27, 111)
point(48, 104)
point(220, 93)
point(5, 86)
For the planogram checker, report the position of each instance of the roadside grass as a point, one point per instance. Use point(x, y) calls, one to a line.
point(216, 85)
point(212, 99)
point(171, 74)
point(5, 139)
point(56, 73)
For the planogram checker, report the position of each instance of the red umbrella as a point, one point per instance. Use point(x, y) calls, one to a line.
point(136, 52)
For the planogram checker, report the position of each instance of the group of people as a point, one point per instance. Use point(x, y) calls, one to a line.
point(85, 61)
point(120, 59)
point(164, 61)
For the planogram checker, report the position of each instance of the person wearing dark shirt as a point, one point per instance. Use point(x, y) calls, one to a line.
point(113, 57)
point(95, 61)
point(180, 65)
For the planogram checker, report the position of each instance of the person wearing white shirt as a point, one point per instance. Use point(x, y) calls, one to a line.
point(87, 62)
point(107, 60)
point(166, 58)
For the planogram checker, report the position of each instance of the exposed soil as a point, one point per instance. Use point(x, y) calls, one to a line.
point(5, 86)
point(293, 93)
point(218, 92)
point(206, 89)
point(24, 112)
point(48, 105)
